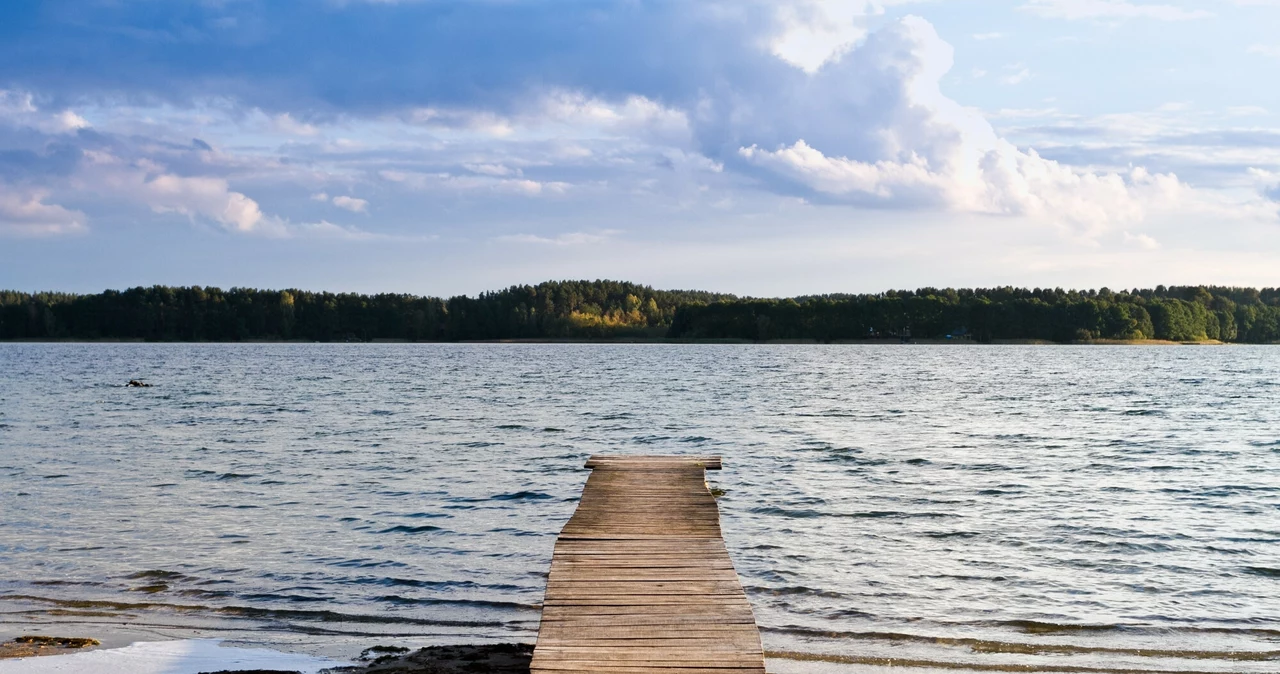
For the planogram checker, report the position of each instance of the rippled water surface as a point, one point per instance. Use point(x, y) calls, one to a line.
point(1027, 508)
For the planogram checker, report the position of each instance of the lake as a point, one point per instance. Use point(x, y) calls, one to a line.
point(991, 508)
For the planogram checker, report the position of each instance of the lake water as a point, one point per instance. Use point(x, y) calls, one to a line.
point(1002, 508)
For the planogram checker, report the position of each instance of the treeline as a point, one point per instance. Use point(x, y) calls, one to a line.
point(570, 309)
point(613, 309)
point(1186, 313)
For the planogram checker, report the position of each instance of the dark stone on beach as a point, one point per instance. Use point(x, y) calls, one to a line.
point(487, 659)
point(63, 642)
point(33, 644)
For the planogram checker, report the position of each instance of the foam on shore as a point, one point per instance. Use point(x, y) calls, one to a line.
point(186, 656)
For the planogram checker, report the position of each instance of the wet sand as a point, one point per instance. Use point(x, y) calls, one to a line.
point(469, 659)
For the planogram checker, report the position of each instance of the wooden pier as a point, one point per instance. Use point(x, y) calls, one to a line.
point(641, 581)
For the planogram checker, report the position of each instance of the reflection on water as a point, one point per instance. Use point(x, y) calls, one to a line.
point(982, 508)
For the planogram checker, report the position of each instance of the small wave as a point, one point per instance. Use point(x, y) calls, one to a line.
point(1038, 627)
point(367, 563)
point(951, 534)
point(1263, 571)
point(404, 529)
point(482, 603)
point(866, 514)
point(275, 596)
point(160, 574)
point(521, 496)
point(792, 590)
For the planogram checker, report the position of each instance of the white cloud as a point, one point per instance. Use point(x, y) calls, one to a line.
point(497, 170)
point(19, 109)
point(811, 33)
point(1141, 241)
point(1269, 50)
point(320, 196)
point(286, 124)
point(202, 196)
point(328, 230)
point(470, 183)
point(67, 121)
point(24, 213)
point(1246, 111)
point(567, 239)
point(351, 204)
point(149, 183)
point(1016, 75)
point(476, 121)
point(1111, 9)
point(915, 148)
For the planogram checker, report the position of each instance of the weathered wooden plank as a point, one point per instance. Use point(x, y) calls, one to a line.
point(641, 581)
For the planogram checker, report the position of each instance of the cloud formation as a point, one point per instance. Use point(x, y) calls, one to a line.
point(679, 106)
point(24, 213)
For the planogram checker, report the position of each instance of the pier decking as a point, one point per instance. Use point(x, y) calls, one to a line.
point(641, 581)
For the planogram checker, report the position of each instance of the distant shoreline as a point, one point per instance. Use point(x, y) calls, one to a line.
point(665, 340)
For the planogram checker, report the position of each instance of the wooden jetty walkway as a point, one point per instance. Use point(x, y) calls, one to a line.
point(641, 581)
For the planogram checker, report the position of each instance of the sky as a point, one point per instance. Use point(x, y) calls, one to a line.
point(760, 148)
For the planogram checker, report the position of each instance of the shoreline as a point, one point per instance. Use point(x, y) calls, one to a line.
point(218, 655)
point(664, 340)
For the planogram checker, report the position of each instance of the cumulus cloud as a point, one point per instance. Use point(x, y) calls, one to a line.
point(196, 197)
point(25, 213)
point(909, 146)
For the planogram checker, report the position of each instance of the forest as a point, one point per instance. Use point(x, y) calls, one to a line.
point(586, 310)
point(1179, 313)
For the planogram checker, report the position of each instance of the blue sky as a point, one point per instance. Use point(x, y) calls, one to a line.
point(766, 148)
